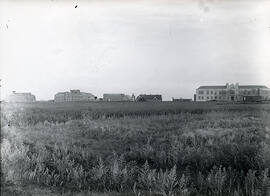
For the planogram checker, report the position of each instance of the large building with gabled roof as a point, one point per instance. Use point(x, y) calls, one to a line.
point(232, 92)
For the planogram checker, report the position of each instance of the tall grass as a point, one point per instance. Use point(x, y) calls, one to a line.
point(214, 152)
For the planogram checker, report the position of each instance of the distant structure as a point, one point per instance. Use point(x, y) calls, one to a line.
point(74, 95)
point(116, 97)
point(232, 92)
point(181, 100)
point(149, 98)
point(133, 98)
point(21, 97)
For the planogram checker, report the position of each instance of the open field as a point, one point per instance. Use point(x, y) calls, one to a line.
point(136, 149)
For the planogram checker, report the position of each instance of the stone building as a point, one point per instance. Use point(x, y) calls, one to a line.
point(74, 95)
point(116, 97)
point(21, 97)
point(232, 92)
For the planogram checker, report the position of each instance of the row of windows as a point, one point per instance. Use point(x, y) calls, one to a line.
point(251, 92)
point(209, 98)
point(245, 92)
point(212, 92)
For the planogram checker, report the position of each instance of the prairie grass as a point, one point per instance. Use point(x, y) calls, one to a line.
point(138, 149)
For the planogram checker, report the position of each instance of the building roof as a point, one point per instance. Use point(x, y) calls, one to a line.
point(75, 92)
point(15, 94)
point(211, 87)
point(22, 94)
point(240, 86)
point(253, 86)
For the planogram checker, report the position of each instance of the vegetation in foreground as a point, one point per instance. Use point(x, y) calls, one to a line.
point(108, 150)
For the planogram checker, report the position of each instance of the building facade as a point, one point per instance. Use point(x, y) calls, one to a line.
point(73, 95)
point(21, 97)
point(116, 97)
point(232, 92)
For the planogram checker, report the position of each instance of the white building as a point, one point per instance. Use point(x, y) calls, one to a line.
point(232, 92)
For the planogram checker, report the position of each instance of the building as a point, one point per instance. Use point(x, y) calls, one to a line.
point(21, 97)
point(116, 97)
point(74, 95)
point(232, 92)
point(181, 100)
point(149, 98)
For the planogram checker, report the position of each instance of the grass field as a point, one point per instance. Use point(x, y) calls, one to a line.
point(130, 148)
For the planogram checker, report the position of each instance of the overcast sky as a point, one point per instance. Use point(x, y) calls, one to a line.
point(167, 47)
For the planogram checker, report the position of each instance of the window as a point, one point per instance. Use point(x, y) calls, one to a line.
point(215, 92)
point(222, 92)
point(215, 97)
point(199, 97)
point(207, 92)
point(201, 92)
point(211, 92)
point(219, 97)
point(207, 97)
point(202, 97)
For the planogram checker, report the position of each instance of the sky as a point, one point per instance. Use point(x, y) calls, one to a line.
point(127, 46)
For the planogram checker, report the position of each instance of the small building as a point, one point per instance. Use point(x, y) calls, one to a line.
point(181, 100)
point(116, 97)
point(74, 95)
point(144, 97)
point(21, 97)
point(232, 92)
